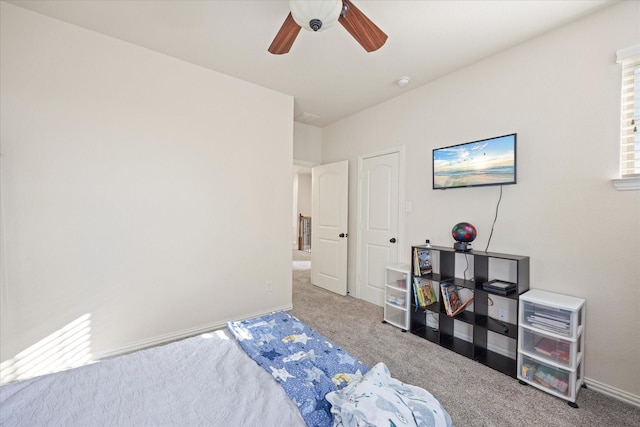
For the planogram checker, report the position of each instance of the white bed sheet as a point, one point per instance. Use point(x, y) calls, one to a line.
point(204, 380)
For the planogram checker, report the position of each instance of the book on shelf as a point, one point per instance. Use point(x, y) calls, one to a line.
point(445, 300)
point(452, 298)
point(421, 261)
point(424, 291)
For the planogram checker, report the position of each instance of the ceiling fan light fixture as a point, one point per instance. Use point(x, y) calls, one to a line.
point(315, 15)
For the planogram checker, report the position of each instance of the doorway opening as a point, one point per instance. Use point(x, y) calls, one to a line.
point(304, 233)
point(301, 225)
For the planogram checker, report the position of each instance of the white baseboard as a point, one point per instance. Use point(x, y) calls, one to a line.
point(185, 333)
point(621, 395)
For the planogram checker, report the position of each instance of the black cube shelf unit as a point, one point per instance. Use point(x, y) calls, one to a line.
point(443, 333)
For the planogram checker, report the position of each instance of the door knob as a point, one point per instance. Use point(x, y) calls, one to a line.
point(341, 235)
point(393, 240)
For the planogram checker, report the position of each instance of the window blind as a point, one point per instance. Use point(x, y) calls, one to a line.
point(630, 112)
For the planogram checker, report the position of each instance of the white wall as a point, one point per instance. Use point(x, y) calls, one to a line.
point(307, 144)
point(304, 194)
point(560, 93)
point(134, 190)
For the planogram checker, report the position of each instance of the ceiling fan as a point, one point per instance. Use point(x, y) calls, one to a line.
point(315, 15)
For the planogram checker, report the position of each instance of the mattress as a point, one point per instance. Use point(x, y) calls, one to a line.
point(275, 372)
point(204, 380)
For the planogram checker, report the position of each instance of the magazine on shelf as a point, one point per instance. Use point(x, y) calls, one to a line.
point(421, 261)
point(453, 301)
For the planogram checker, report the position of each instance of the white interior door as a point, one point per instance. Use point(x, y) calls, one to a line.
point(329, 207)
point(379, 207)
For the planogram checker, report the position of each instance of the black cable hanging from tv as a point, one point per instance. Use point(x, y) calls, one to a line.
point(494, 220)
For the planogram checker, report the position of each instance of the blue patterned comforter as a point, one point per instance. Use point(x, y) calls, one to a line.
point(306, 364)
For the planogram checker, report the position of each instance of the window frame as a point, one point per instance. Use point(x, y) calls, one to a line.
point(629, 56)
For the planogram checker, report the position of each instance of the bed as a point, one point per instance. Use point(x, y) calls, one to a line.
point(268, 371)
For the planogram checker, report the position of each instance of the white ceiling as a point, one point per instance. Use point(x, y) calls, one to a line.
point(329, 74)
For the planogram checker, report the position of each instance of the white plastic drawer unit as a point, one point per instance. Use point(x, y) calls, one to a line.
point(396, 295)
point(551, 343)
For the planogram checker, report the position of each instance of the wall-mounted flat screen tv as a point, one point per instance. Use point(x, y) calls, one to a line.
point(486, 162)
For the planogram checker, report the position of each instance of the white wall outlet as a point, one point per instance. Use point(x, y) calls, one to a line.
point(502, 314)
point(269, 286)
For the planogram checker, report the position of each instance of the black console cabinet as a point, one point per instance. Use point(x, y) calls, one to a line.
point(474, 268)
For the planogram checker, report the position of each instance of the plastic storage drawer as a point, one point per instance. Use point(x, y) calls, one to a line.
point(560, 382)
point(550, 348)
point(551, 319)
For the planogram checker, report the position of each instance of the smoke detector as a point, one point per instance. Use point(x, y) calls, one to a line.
point(403, 81)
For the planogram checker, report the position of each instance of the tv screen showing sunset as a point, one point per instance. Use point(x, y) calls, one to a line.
point(486, 162)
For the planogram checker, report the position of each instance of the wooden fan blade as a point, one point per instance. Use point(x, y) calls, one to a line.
point(362, 28)
point(286, 36)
